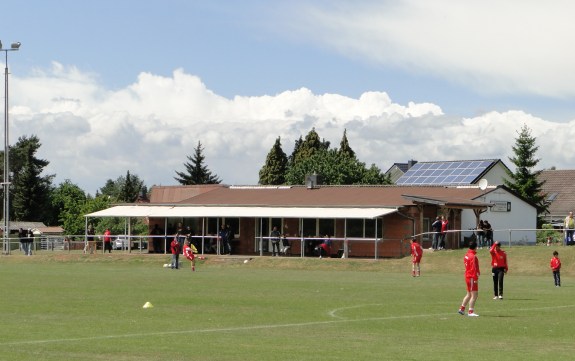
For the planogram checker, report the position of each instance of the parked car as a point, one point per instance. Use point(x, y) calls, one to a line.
point(122, 242)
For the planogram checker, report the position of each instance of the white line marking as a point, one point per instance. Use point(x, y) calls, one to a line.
point(260, 327)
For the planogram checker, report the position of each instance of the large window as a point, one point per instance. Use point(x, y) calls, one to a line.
point(309, 227)
point(326, 227)
point(364, 228)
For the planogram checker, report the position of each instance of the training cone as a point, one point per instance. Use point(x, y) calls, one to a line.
point(148, 305)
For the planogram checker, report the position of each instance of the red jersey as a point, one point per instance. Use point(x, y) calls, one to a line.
point(175, 246)
point(471, 264)
point(498, 257)
point(107, 237)
point(416, 250)
point(444, 225)
point(189, 253)
point(555, 264)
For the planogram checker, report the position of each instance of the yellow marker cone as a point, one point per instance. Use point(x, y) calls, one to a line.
point(148, 305)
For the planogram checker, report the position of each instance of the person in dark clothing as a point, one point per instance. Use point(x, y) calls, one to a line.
point(436, 227)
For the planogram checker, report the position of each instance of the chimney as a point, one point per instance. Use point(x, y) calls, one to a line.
point(311, 181)
point(411, 163)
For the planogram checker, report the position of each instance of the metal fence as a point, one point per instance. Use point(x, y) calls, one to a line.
point(297, 246)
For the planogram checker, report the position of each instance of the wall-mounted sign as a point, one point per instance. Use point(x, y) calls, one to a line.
point(501, 206)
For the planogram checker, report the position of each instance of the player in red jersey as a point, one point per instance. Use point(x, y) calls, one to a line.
point(189, 253)
point(498, 269)
point(416, 254)
point(471, 279)
point(555, 265)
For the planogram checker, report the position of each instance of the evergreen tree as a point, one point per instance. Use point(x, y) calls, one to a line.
point(296, 148)
point(524, 180)
point(196, 171)
point(274, 170)
point(344, 147)
point(334, 169)
point(310, 146)
point(123, 189)
point(30, 191)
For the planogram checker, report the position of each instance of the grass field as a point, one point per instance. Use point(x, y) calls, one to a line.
point(75, 307)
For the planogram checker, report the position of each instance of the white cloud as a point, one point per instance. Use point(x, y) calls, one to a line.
point(91, 134)
point(499, 47)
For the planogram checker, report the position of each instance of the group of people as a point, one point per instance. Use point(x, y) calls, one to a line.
point(26, 240)
point(439, 228)
point(499, 268)
point(484, 234)
point(187, 249)
point(280, 243)
point(226, 236)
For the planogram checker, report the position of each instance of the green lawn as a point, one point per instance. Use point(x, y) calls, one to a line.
point(74, 307)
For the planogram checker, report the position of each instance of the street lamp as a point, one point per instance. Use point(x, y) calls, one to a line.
point(6, 179)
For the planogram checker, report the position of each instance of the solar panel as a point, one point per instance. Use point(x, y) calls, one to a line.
point(444, 173)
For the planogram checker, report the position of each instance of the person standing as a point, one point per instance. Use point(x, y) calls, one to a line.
point(480, 234)
point(555, 265)
point(176, 250)
point(157, 232)
point(228, 240)
point(223, 238)
point(498, 269)
point(488, 233)
point(471, 279)
point(444, 226)
point(90, 246)
point(569, 226)
point(107, 241)
point(416, 254)
point(436, 227)
point(275, 238)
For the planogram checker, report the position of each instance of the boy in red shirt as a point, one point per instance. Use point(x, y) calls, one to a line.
point(416, 254)
point(176, 250)
point(471, 279)
point(189, 253)
point(498, 268)
point(555, 265)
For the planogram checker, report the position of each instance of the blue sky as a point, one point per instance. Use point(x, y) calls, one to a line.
point(111, 86)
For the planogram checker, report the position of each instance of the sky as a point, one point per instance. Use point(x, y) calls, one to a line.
point(115, 86)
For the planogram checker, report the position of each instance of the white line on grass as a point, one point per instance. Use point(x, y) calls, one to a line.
point(260, 327)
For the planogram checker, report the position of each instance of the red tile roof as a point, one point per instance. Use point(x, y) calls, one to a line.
point(358, 196)
point(561, 185)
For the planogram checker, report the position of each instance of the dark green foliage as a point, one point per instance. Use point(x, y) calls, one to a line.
point(30, 190)
point(308, 147)
point(344, 147)
point(524, 180)
point(335, 166)
point(335, 169)
point(196, 171)
point(124, 189)
point(70, 200)
point(274, 170)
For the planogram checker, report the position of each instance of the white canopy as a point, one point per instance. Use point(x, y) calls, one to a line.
point(242, 211)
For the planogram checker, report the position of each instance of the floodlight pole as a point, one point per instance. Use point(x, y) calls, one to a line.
point(6, 180)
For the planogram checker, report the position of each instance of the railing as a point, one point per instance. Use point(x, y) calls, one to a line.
point(302, 246)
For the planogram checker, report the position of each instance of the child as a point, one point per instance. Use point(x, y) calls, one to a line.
point(556, 268)
point(416, 254)
point(175, 248)
point(189, 250)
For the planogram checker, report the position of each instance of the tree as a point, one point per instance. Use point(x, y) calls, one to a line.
point(30, 190)
point(274, 170)
point(196, 171)
point(334, 169)
point(344, 147)
point(524, 180)
point(124, 189)
point(309, 146)
point(70, 200)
